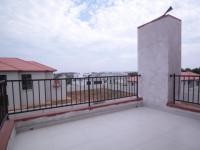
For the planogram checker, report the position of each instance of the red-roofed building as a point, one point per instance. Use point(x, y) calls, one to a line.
point(188, 75)
point(24, 84)
point(190, 79)
point(15, 69)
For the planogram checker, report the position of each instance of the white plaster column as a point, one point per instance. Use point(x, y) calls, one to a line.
point(159, 55)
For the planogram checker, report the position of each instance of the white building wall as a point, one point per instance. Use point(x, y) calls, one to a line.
point(18, 96)
point(159, 55)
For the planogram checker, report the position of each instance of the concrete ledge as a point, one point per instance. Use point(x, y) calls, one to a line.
point(5, 133)
point(52, 118)
point(175, 110)
point(184, 107)
point(59, 111)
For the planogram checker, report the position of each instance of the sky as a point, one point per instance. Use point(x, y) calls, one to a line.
point(90, 35)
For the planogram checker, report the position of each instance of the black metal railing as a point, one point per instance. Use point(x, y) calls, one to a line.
point(39, 94)
point(3, 103)
point(186, 88)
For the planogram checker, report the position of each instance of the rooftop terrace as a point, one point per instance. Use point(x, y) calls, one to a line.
point(127, 128)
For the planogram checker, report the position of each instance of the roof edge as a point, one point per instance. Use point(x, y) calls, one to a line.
point(52, 69)
point(161, 17)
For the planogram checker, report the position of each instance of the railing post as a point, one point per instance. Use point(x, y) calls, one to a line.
point(174, 88)
point(198, 90)
point(5, 99)
point(88, 83)
point(137, 85)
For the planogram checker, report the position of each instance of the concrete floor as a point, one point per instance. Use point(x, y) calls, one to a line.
point(140, 128)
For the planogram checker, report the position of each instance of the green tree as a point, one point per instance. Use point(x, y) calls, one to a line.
point(196, 70)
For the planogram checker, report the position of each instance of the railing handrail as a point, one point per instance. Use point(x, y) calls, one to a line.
point(72, 78)
point(38, 94)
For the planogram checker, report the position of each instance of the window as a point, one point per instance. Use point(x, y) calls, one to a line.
point(3, 77)
point(26, 81)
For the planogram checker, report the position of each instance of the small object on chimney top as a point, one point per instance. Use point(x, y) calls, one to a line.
point(168, 10)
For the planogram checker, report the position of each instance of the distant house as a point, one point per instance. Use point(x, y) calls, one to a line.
point(188, 86)
point(24, 86)
point(67, 75)
point(190, 78)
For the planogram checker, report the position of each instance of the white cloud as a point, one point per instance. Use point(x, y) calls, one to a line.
point(75, 35)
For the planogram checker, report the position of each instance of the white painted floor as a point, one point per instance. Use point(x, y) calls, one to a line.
point(134, 129)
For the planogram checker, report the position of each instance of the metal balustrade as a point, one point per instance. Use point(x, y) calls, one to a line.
point(39, 94)
point(186, 88)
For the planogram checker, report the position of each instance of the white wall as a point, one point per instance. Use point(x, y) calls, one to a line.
point(159, 55)
point(10, 75)
point(18, 96)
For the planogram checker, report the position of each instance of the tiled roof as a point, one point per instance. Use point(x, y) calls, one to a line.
point(188, 75)
point(16, 64)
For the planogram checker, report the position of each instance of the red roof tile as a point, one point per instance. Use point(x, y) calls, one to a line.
point(42, 66)
point(16, 64)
